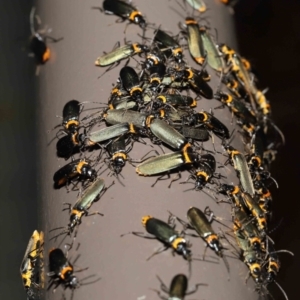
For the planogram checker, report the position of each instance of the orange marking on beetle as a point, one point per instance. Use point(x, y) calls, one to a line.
point(162, 113)
point(149, 120)
point(136, 48)
point(203, 174)
point(80, 166)
point(211, 238)
point(205, 116)
point(177, 51)
point(77, 213)
point(155, 79)
point(254, 269)
point(256, 160)
point(262, 222)
point(194, 103)
point(131, 128)
point(162, 98)
point(235, 190)
point(191, 21)
point(64, 271)
point(116, 91)
point(191, 74)
point(273, 266)
point(145, 219)
point(233, 152)
point(185, 153)
point(255, 240)
point(27, 278)
point(154, 58)
point(135, 89)
point(267, 194)
point(71, 122)
point(200, 60)
point(120, 154)
point(246, 64)
point(46, 55)
point(202, 9)
point(74, 138)
point(178, 241)
point(135, 14)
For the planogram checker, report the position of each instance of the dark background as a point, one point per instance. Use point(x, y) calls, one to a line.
point(268, 36)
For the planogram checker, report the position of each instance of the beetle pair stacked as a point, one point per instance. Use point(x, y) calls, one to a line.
point(171, 238)
point(32, 267)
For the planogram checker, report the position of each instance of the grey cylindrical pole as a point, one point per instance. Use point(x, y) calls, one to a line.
point(121, 262)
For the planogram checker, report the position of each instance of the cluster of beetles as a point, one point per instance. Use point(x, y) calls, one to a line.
point(154, 104)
